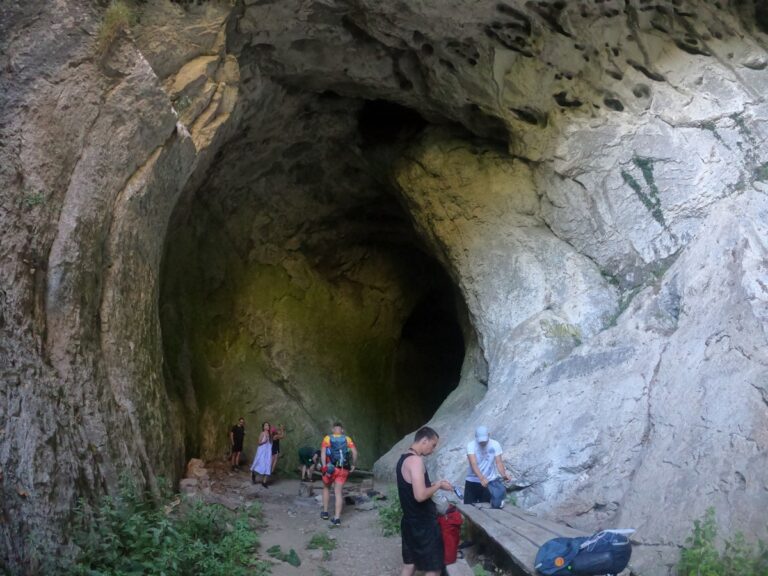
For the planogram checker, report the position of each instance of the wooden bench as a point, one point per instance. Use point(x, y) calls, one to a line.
point(518, 532)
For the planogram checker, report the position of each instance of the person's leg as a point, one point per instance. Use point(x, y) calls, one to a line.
point(236, 460)
point(265, 480)
point(326, 497)
point(474, 492)
point(303, 471)
point(409, 565)
point(337, 491)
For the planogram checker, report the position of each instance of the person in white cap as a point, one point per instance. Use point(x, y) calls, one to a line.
point(486, 471)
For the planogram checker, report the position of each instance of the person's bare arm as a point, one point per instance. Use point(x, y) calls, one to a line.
point(413, 472)
point(476, 469)
point(353, 449)
point(501, 469)
point(323, 456)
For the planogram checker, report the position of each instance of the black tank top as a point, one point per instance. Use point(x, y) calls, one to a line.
point(412, 508)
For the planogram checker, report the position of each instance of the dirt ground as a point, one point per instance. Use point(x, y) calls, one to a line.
point(292, 519)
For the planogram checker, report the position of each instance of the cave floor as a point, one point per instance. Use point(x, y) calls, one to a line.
point(291, 520)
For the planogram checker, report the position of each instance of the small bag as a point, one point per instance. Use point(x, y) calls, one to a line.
point(498, 493)
point(450, 528)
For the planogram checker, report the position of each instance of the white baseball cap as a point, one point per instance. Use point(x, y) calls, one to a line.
point(481, 434)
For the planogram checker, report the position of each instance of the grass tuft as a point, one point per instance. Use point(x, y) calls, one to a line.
point(118, 18)
point(321, 541)
point(390, 513)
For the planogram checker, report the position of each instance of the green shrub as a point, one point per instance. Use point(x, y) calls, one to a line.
point(700, 556)
point(118, 18)
point(33, 199)
point(321, 541)
point(131, 534)
point(290, 557)
point(390, 513)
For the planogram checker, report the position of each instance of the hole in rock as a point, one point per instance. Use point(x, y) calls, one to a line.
point(296, 290)
point(381, 122)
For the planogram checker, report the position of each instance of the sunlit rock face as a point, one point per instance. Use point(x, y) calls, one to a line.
point(205, 222)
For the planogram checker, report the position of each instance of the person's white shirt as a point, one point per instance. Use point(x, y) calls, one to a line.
point(486, 459)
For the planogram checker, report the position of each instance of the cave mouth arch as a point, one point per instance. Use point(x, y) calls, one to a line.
point(295, 289)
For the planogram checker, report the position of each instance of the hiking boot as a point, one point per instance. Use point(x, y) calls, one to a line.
point(335, 522)
point(324, 516)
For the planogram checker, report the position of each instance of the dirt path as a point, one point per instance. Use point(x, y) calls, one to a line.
point(292, 520)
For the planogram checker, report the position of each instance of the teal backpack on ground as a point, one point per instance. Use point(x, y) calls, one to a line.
point(555, 556)
point(338, 451)
point(605, 553)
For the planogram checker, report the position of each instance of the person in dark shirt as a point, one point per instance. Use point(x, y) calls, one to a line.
point(278, 433)
point(309, 458)
point(236, 438)
point(421, 537)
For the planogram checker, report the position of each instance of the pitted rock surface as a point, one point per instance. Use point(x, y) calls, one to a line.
point(241, 203)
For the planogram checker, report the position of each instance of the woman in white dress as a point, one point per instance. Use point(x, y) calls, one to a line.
point(262, 462)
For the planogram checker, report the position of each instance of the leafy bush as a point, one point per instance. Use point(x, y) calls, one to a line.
point(321, 541)
point(117, 19)
point(390, 514)
point(290, 557)
point(131, 534)
point(738, 558)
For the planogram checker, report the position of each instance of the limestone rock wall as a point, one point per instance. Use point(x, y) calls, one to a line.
point(93, 158)
point(595, 188)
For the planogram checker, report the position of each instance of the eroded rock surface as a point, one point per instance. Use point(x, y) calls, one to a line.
point(593, 185)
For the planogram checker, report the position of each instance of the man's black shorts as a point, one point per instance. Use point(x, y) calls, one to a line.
point(422, 545)
point(474, 492)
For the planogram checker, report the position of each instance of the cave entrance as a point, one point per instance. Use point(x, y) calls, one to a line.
point(296, 291)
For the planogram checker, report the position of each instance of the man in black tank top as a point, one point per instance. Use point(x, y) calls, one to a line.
point(422, 541)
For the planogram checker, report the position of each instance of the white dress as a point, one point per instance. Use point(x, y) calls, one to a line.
point(262, 462)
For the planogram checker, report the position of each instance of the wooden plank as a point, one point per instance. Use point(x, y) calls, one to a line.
point(521, 550)
point(538, 529)
point(518, 532)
